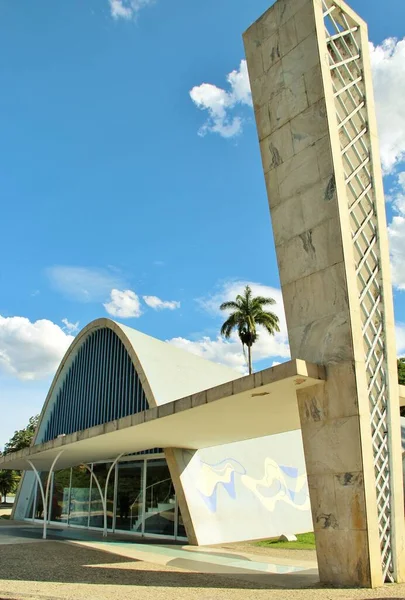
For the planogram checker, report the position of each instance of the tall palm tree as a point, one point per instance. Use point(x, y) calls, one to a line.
point(247, 312)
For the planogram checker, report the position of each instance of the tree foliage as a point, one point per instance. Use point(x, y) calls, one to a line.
point(247, 311)
point(401, 370)
point(22, 438)
point(8, 482)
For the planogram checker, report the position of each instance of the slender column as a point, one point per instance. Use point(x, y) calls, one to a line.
point(103, 502)
point(110, 470)
point(312, 93)
point(103, 495)
point(41, 487)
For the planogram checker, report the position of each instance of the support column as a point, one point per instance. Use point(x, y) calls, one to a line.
point(312, 94)
point(44, 495)
point(176, 469)
point(104, 495)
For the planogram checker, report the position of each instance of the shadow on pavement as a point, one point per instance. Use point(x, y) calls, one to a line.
point(65, 563)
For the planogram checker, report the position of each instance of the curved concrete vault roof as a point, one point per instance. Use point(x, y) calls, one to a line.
point(166, 373)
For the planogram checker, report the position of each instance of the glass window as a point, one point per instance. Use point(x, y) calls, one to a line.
point(129, 510)
point(96, 505)
point(160, 499)
point(60, 496)
point(39, 505)
point(181, 530)
point(79, 497)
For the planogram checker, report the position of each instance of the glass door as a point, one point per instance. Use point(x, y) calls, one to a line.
point(160, 500)
point(60, 494)
point(130, 490)
point(79, 497)
point(96, 505)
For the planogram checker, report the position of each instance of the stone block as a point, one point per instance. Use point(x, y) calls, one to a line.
point(350, 500)
point(257, 378)
point(282, 371)
point(314, 85)
point(287, 537)
point(263, 122)
point(305, 21)
point(288, 8)
point(323, 501)
point(332, 447)
point(343, 557)
point(319, 203)
point(298, 174)
point(124, 422)
point(269, 22)
point(268, 86)
point(290, 102)
point(111, 426)
point(277, 148)
point(312, 404)
point(288, 220)
point(182, 404)
point(301, 59)
point(272, 187)
point(242, 384)
point(198, 399)
point(326, 289)
point(219, 391)
point(336, 398)
point(164, 410)
point(151, 414)
point(271, 52)
point(323, 341)
point(310, 251)
point(341, 389)
point(138, 418)
point(252, 42)
point(324, 158)
point(309, 126)
point(287, 37)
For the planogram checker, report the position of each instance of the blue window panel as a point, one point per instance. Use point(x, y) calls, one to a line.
point(100, 385)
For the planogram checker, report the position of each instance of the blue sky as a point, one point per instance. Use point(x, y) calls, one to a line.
point(119, 171)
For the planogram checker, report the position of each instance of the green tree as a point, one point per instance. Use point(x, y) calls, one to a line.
point(8, 481)
point(401, 379)
point(401, 370)
point(246, 313)
point(22, 438)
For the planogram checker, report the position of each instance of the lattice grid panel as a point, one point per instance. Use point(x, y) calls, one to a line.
point(345, 61)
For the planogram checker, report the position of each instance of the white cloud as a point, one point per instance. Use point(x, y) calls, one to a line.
point(84, 284)
point(229, 352)
point(124, 303)
point(218, 350)
point(31, 350)
point(71, 328)
point(396, 232)
point(388, 66)
point(400, 336)
point(127, 9)
point(158, 304)
point(220, 103)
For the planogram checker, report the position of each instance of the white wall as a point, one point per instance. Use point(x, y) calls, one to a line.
point(247, 490)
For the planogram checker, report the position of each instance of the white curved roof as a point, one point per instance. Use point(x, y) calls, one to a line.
point(173, 373)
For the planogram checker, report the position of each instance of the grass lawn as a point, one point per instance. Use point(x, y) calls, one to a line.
point(4, 517)
point(305, 541)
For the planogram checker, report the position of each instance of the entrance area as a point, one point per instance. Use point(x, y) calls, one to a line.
point(140, 498)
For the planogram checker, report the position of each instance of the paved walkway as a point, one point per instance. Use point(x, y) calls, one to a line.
point(280, 572)
point(80, 565)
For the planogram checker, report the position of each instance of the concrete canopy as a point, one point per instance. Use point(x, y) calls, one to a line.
point(219, 415)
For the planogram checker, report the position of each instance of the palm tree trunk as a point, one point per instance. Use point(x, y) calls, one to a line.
point(250, 358)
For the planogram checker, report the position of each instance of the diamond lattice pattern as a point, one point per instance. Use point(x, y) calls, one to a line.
point(345, 61)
